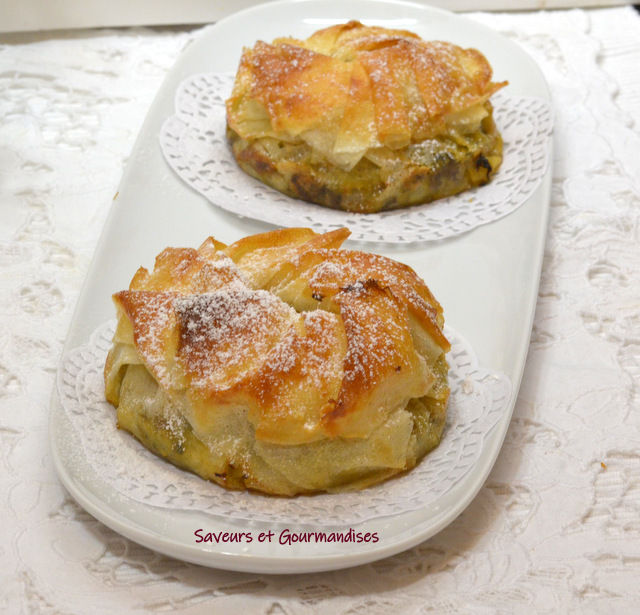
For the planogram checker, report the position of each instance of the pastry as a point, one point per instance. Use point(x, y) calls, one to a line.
point(281, 363)
point(364, 119)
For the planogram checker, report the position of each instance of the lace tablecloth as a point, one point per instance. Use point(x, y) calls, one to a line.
point(555, 529)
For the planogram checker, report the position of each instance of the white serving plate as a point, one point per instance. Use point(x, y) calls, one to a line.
point(487, 281)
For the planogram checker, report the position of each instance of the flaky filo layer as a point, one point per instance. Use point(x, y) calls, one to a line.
point(280, 363)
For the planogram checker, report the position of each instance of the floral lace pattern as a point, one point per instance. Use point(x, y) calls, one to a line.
point(478, 400)
point(194, 144)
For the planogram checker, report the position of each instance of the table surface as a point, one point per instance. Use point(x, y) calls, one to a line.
point(556, 527)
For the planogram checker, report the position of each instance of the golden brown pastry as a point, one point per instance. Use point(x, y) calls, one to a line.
point(364, 119)
point(280, 363)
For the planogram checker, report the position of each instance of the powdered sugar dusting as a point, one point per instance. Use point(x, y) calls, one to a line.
point(344, 268)
point(224, 335)
point(375, 337)
point(153, 318)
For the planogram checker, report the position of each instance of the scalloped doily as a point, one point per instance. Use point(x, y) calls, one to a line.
point(194, 144)
point(478, 399)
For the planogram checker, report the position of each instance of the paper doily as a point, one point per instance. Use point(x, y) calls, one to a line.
point(194, 144)
point(478, 399)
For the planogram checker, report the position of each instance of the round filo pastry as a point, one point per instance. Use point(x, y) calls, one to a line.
point(281, 363)
point(364, 119)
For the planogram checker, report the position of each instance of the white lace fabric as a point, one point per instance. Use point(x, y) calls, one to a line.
point(556, 527)
point(194, 144)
